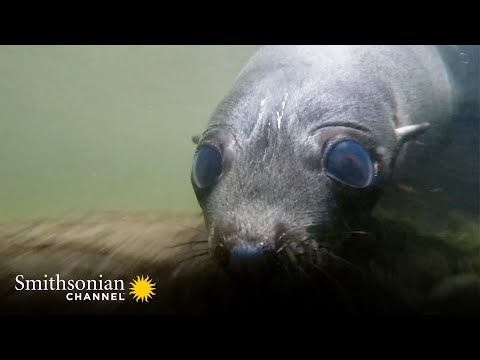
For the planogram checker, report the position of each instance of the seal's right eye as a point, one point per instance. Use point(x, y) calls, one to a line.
point(207, 166)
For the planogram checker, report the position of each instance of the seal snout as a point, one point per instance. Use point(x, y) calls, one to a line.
point(248, 259)
point(245, 255)
point(246, 252)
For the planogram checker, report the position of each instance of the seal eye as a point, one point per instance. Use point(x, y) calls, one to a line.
point(349, 163)
point(207, 166)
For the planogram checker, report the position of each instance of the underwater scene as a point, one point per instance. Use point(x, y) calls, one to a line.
point(199, 179)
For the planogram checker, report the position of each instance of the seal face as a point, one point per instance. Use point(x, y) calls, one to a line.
point(297, 153)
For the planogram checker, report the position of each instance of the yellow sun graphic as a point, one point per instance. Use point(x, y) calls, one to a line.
point(142, 288)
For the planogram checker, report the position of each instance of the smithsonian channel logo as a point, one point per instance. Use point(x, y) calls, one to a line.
point(90, 290)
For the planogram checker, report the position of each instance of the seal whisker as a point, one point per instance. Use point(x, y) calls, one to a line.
point(199, 229)
point(358, 232)
point(196, 251)
point(198, 242)
point(181, 265)
point(281, 248)
point(192, 257)
point(353, 266)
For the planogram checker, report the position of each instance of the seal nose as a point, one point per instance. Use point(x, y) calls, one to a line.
point(247, 255)
point(238, 254)
point(247, 259)
point(246, 252)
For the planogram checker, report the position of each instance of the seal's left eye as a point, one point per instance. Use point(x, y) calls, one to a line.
point(207, 166)
point(349, 163)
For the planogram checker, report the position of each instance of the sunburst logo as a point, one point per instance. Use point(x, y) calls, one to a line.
point(142, 288)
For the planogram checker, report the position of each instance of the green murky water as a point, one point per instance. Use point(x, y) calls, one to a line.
point(105, 127)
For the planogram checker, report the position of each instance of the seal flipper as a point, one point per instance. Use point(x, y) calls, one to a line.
point(409, 132)
point(195, 139)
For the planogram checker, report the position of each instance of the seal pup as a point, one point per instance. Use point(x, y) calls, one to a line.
point(296, 156)
point(323, 228)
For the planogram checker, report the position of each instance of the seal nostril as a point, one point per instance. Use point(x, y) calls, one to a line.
point(246, 252)
point(248, 261)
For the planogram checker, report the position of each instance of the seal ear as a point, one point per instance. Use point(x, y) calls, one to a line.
point(407, 133)
point(195, 139)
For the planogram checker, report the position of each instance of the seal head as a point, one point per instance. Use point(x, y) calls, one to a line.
point(297, 153)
